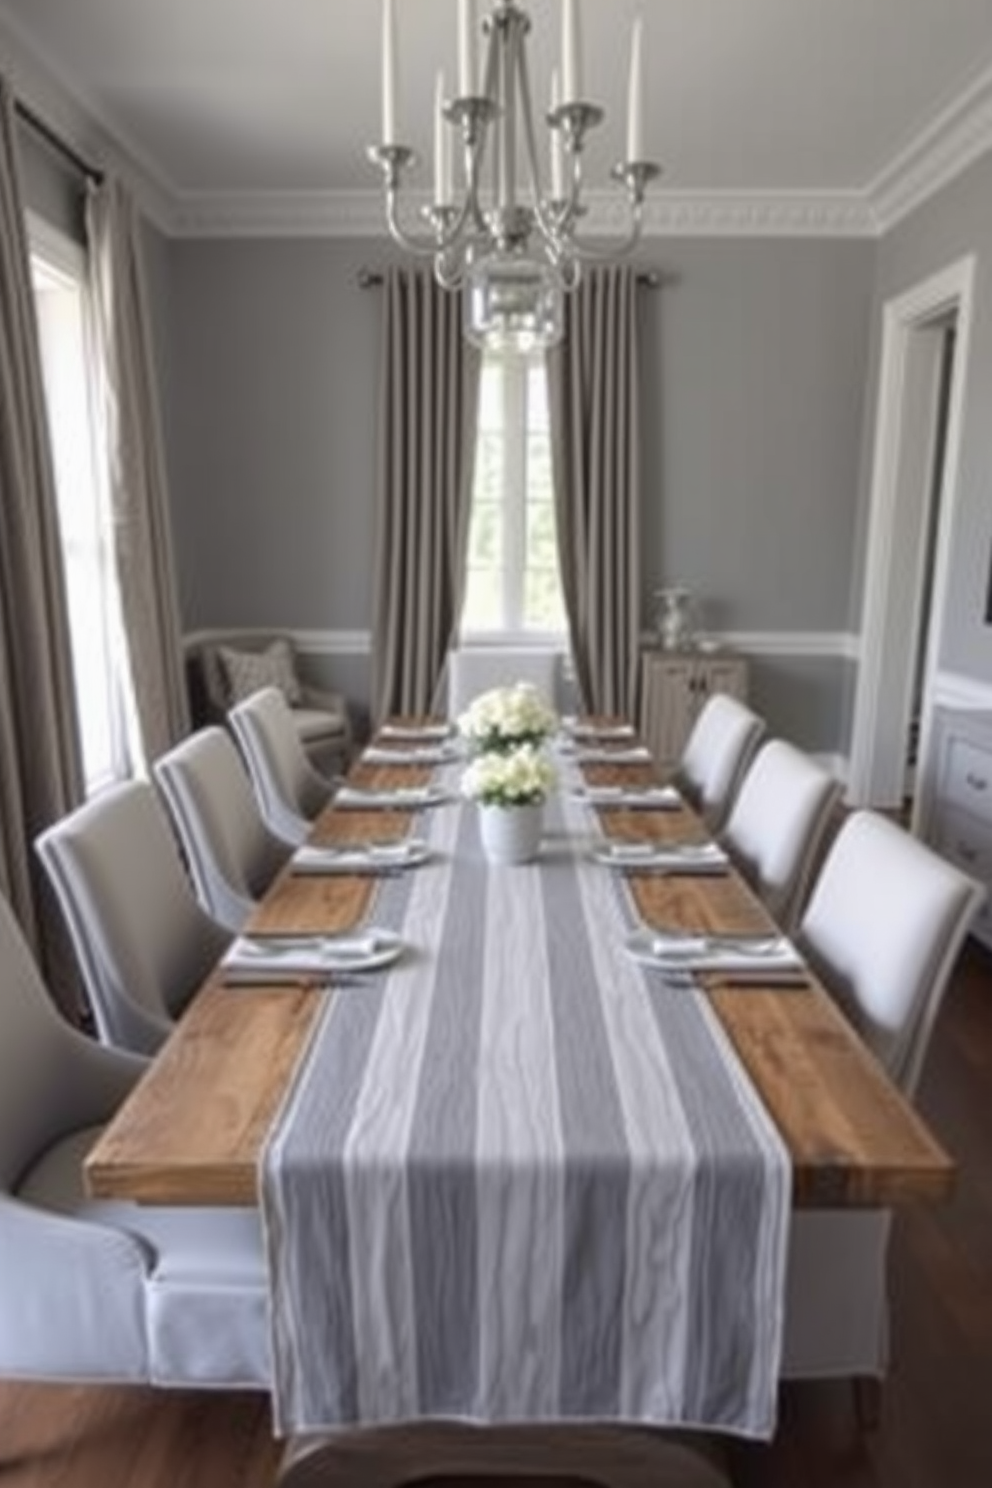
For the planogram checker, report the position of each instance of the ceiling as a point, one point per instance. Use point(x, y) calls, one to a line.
point(272, 100)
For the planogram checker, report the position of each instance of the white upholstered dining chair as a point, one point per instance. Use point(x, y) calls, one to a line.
point(97, 1290)
point(719, 749)
point(777, 824)
point(142, 942)
point(290, 792)
point(232, 855)
point(883, 929)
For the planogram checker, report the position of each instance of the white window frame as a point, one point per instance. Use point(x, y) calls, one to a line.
point(65, 258)
point(514, 634)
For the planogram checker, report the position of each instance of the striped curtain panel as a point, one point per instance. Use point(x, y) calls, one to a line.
point(40, 762)
point(593, 393)
point(428, 413)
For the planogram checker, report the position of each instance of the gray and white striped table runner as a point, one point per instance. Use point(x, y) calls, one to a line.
point(516, 1179)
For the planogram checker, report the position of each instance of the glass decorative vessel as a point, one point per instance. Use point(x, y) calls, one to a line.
point(673, 618)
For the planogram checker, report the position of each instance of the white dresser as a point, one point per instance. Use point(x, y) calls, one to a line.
point(674, 687)
point(958, 817)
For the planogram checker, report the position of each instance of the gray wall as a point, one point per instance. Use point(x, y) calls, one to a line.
point(755, 362)
point(754, 359)
point(955, 222)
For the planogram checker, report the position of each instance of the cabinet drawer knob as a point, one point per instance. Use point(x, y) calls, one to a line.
point(977, 782)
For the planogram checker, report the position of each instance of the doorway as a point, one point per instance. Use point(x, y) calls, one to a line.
point(914, 486)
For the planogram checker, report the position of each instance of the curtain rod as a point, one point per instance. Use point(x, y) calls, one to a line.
point(372, 278)
point(62, 146)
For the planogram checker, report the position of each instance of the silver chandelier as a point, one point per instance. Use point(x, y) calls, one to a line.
point(516, 258)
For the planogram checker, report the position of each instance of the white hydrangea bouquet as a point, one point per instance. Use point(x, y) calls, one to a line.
point(505, 717)
point(520, 777)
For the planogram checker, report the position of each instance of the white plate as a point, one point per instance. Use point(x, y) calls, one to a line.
point(269, 957)
point(375, 857)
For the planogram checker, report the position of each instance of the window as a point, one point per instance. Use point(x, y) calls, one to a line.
point(59, 280)
point(513, 583)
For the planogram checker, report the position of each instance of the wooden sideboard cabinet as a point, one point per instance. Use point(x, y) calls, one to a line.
point(674, 687)
point(958, 821)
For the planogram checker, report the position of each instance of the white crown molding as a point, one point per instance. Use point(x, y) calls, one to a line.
point(360, 214)
point(948, 145)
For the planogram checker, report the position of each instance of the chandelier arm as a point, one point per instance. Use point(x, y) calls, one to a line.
point(554, 225)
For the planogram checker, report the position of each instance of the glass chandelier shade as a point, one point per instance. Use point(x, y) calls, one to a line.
point(516, 254)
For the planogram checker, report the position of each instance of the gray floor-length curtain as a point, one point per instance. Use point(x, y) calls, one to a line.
point(40, 763)
point(138, 486)
point(428, 415)
point(593, 396)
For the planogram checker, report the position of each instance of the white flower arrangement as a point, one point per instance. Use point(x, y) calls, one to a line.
point(505, 717)
point(521, 777)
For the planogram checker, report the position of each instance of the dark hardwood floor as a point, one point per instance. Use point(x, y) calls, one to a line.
point(935, 1429)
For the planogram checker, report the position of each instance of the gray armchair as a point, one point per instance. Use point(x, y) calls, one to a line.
point(223, 667)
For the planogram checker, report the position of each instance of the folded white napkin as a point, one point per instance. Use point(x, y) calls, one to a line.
point(426, 754)
point(759, 958)
point(274, 958)
point(590, 755)
point(601, 730)
point(399, 796)
point(676, 858)
point(654, 797)
point(415, 731)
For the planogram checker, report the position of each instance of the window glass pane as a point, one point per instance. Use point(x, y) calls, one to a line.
point(543, 605)
point(512, 582)
point(88, 563)
point(485, 538)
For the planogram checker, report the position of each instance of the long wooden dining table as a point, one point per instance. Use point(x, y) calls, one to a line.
point(193, 1130)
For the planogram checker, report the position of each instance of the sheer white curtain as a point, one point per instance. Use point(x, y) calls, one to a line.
point(138, 487)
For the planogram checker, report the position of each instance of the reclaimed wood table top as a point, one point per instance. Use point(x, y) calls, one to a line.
point(192, 1130)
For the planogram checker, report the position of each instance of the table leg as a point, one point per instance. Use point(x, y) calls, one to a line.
point(579, 1456)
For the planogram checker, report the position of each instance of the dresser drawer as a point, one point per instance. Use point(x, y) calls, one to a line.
point(967, 842)
point(966, 778)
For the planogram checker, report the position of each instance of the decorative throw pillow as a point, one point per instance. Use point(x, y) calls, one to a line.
point(246, 671)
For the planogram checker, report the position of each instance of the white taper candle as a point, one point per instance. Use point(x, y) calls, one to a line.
point(388, 72)
point(635, 97)
point(443, 183)
point(571, 52)
point(467, 84)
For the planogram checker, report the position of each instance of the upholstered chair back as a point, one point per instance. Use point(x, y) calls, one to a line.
point(777, 824)
point(143, 943)
point(289, 791)
point(232, 854)
point(719, 749)
point(883, 928)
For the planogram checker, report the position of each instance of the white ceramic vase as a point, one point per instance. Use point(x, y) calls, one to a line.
point(511, 834)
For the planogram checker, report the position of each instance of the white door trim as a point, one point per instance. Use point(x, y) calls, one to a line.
point(948, 291)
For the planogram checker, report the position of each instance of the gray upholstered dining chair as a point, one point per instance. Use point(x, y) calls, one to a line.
point(777, 825)
point(98, 1290)
point(290, 792)
point(719, 749)
point(232, 855)
point(143, 943)
point(883, 928)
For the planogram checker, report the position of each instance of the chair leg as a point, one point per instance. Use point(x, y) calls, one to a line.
point(868, 1401)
